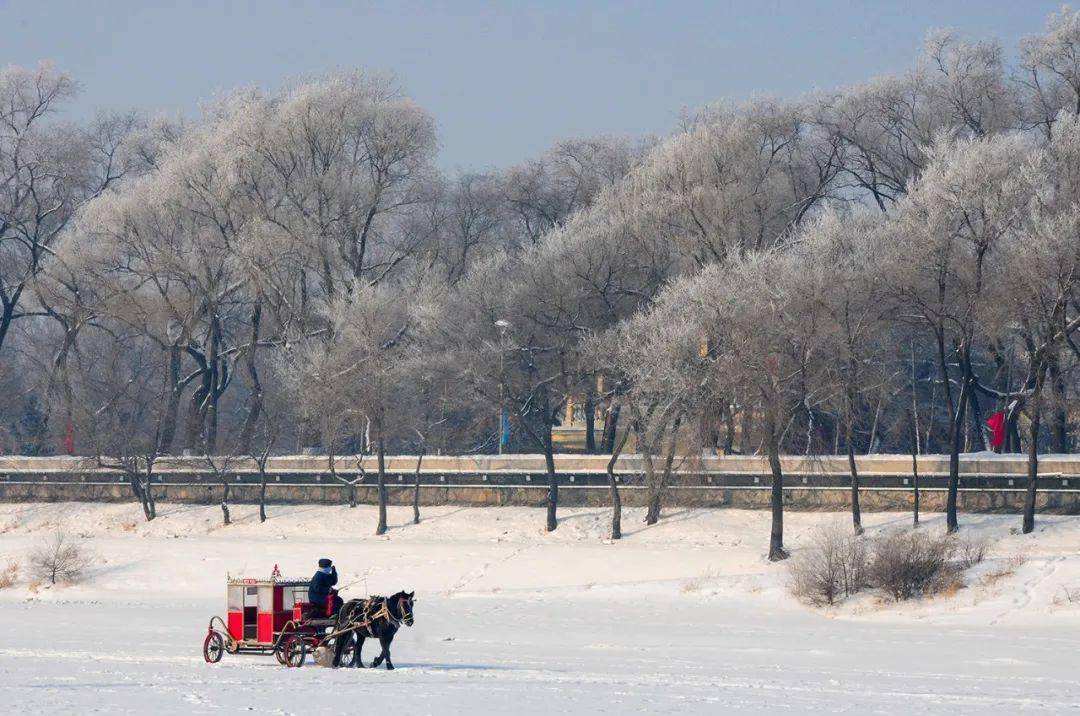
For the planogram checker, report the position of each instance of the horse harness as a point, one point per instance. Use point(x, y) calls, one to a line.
point(369, 616)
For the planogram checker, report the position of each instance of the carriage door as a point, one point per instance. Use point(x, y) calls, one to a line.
point(235, 606)
point(251, 611)
point(269, 605)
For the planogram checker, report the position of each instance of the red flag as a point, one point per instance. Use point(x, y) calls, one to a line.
point(996, 423)
point(69, 438)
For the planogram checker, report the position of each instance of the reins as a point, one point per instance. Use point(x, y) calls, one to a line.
point(370, 618)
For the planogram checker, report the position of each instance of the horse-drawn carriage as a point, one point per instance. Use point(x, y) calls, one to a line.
point(272, 616)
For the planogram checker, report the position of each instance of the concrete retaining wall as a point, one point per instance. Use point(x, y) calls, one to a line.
point(989, 484)
point(868, 465)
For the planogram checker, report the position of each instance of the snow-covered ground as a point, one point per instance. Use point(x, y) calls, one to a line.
point(684, 616)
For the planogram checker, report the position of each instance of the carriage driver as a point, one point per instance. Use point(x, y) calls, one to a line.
point(320, 587)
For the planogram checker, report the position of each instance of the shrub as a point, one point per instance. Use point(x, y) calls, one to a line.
point(911, 563)
point(970, 552)
point(9, 575)
point(834, 565)
point(61, 559)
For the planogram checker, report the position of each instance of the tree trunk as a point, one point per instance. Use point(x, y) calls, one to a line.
point(151, 503)
point(915, 468)
point(143, 489)
point(172, 406)
point(1035, 415)
point(211, 423)
point(142, 486)
point(928, 441)
point(956, 423)
point(746, 429)
point(7, 314)
point(849, 439)
point(225, 499)
point(613, 485)
point(1059, 429)
point(657, 490)
point(974, 412)
point(380, 446)
point(255, 397)
point(553, 480)
point(309, 434)
point(1032, 472)
point(416, 489)
point(590, 423)
point(217, 380)
point(140, 494)
point(729, 430)
point(195, 416)
point(611, 428)
point(652, 490)
point(856, 512)
point(776, 534)
point(262, 494)
point(605, 440)
point(871, 446)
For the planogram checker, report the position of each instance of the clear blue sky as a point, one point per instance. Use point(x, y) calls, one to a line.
point(503, 79)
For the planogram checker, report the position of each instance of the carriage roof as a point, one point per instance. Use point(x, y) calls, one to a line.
point(265, 582)
point(274, 580)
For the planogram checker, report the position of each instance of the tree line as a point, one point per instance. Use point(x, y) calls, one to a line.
point(874, 268)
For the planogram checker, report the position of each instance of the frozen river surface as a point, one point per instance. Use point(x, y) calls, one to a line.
point(513, 621)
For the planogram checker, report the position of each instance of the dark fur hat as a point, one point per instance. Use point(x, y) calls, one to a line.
point(324, 562)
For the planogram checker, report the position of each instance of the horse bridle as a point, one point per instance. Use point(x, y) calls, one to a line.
point(406, 613)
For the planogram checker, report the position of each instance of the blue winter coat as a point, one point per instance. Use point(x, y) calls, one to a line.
point(319, 589)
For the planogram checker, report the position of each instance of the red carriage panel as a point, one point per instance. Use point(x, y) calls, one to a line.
point(236, 625)
point(266, 627)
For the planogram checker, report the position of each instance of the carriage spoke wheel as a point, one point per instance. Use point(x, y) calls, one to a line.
point(279, 654)
point(348, 651)
point(295, 652)
point(213, 648)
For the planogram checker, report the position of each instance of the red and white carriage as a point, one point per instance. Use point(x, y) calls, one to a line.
point(271, 616)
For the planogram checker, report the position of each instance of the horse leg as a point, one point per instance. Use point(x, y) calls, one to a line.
point(359, 663)
point(382, 654)
point(385, 641)
point(339, 644)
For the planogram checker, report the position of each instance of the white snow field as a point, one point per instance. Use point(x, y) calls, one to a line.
point(686, 616)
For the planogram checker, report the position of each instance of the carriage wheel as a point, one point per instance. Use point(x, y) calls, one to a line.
point(213, 648)
point(348, 651)
point(279, 654)
point(295, 652)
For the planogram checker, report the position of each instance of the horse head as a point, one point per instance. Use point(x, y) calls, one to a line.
point(403, 605)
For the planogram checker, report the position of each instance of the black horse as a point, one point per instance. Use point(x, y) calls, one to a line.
point(380, 617)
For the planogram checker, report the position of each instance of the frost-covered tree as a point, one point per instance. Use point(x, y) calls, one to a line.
point(946, 266)
point(47, 171)
point(843, 256)
point(1040, 283)
point(353, 375)
point(543, 193)
point(1048, 72)
point(749, 324)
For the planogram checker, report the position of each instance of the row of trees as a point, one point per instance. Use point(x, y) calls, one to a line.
point(872, 268)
